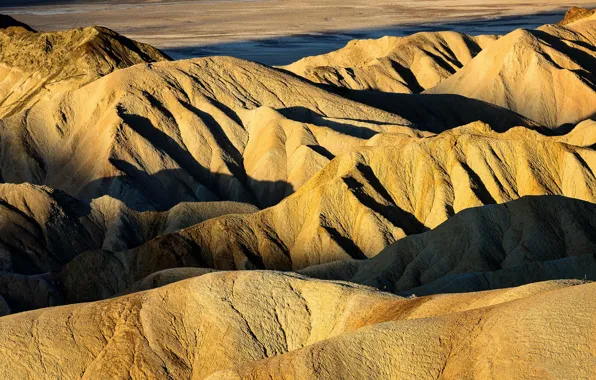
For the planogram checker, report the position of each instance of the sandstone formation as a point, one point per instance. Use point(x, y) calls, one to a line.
point(575, 14)
point(366, 199)
point(546, 75)
point(524, 241)
point(159, 134)
point(363, 201)
point(35, 66)
point(304, 329)
point(393, 64)
point(149, 207)
point(536, 330)
point(43, 229)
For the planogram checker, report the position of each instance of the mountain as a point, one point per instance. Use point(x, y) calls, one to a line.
point(575, 14)
point(393, 64)
point(425, 339)
point(358, 204)
point(152, 212)
point(545, 75)
point(35, 66)
point(158, 134)
point(8, 22)
point(528, 240)
point(274, 325)
point(43, 229)
point(553, 63)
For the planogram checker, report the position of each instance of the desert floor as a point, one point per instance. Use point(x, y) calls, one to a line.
point(266, 31)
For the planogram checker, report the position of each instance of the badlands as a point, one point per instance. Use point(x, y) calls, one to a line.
point(406, 207)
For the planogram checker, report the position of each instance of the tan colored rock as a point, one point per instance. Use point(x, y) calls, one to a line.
point(364, 201)
point(157, 135)
point(524, 241)
point(575, 14)
point(360, 193)
point(545, 75)
point(218, 321)
point(583, 134)
point(393, 64)
point(35, 66)
point(549, 335)
point(43, 229)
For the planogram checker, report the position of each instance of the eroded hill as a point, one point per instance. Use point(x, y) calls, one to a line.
point(35, 66)
point(117, 172)
point(273, 325)
point(546, 75)
point(393, 64)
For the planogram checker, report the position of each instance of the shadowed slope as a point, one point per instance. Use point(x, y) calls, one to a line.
point(546, 75)
point(8, 22)
point(179, 116)
point(437, 113)
point(42, 229)
point(35, 66)
point(504, 241)
point(393, 64)
point(361, 202)
point(194, 328)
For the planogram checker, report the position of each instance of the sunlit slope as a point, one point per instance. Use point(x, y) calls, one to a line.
point(304, 328)
point(546, 74)
point(35, 66)
point(393, 64)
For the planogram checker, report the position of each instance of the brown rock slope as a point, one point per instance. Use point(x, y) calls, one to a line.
point(527, 240)
point(155, 135)
point(523, 241)
point(550, 335)
point(365, 200)
point(42, 229)
point(34, 66)
point(575, 14)
point(159, 134)
point(546, 75)
point(192, 130)
point(393, 64)
point(304, 329)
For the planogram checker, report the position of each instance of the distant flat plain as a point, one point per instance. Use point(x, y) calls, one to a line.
point(279, 31)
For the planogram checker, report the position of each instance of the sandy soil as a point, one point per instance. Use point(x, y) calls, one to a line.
point(169, 24)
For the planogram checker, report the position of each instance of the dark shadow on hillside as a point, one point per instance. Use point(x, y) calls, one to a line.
point(7, 21)
point(305, 115)
point(439, 112)
point(585, 60)
point(165, 189)
point(581, 267)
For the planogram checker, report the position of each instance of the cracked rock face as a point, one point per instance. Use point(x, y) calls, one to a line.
point(261, 324)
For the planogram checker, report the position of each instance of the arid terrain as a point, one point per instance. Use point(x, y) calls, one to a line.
point(419, 206)
point(278, 32)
